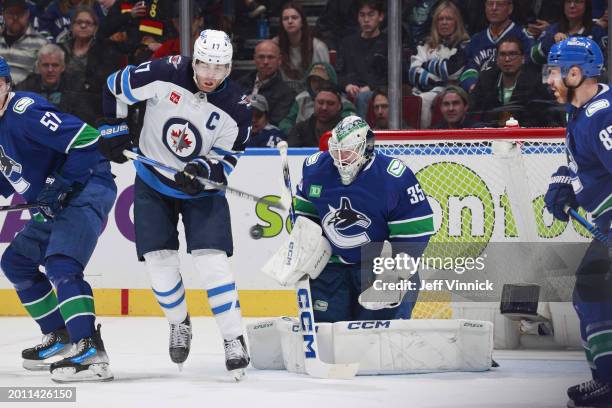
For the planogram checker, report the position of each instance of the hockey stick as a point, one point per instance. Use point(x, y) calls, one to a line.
point(590, 227)
point(18, 207)
point(313, 364)
point(218, 186)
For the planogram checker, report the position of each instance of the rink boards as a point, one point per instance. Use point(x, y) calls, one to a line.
point(121, 285)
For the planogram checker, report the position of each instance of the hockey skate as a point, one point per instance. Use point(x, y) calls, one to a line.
point(236, 357)
point(180, 341)
point(591, 393)
point(54, 347)
point(87, 361)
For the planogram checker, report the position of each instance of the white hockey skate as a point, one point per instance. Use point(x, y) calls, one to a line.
point(87, 361)
point(236, 357)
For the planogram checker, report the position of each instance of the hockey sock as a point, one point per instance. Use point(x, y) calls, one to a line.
point(599, 340)
point(33, 289)
point(75, 296)
point(213, 267)
point(163, 268)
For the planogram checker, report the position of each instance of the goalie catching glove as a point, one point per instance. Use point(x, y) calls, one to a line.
point(386, 292)
point(306, 252)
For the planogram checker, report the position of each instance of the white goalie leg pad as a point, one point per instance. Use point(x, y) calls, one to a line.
point(163, 268)
point(218, 280)
point(276, 344)
point(414, 346)
point(306, 252)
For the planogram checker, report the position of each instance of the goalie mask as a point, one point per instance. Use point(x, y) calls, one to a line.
point(351, 145)
point(212, 59)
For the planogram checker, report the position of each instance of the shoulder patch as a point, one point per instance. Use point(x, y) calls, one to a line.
point(396, 168)
point(174, 60)
point(22, 104)
point(597, 106)
point(313, 158)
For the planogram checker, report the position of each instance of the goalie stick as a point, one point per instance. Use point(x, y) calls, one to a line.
point(218, 186)
point(312, 362)
point(590, 227)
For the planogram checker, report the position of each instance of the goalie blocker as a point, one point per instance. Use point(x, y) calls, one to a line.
point(380, 346)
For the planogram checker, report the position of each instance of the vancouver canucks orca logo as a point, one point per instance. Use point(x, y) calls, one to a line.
point(339, 220)
point(182, 138)
point(12, 171)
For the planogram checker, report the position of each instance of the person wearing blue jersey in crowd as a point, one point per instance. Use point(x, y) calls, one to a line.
point(51, 159)
point(197, 120)
point(360, 198)
point(573, 67)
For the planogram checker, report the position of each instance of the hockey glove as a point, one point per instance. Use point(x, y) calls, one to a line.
point(114, 138)
point(186, 179)
point(54, 196)
point(560, 193)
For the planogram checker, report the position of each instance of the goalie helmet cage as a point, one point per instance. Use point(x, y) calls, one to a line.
point(484, 186)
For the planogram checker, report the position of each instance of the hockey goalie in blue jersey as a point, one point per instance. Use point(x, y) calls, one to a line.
point(360, 199)
point(573, 67)
point(197, 120)
point(51, 159)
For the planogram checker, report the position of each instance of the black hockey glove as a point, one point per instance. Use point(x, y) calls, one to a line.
point(560, 193)
point(114, 138)
point(186, 179)
point(54, 196)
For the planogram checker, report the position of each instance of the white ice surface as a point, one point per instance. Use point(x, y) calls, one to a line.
point(145, 377)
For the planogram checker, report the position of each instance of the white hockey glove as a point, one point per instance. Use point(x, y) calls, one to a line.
point(306, 252)
point(387, 291)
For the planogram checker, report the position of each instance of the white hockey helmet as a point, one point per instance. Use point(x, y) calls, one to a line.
point(212, 57)
point(351, 145)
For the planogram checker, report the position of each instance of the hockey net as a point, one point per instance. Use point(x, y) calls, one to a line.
point(484, 185)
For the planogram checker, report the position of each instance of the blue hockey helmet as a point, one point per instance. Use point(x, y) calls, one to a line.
point(577, 51)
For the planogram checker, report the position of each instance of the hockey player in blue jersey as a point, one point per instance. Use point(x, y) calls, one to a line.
point(573, 67)
point(359, 198)
point(198, 120)
point(50, 158)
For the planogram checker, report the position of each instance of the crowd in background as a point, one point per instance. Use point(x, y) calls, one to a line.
point(308, 64)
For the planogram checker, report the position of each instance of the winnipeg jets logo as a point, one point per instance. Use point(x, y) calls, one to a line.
point(12, 171)
point(338, 220)
point(182, 138)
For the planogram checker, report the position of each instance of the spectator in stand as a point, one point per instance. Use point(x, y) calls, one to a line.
point(440, 59)
point(328, 104)
point(68, 94)
point(263, 134)
point(89, 59)
point(297, 45)
point(480, 51)
point(19, 42)
point(362, 57)
point(454, 104)
point(303, 106)
point(267, 81)
point(338, 21)
point(172, 46)
point(512, 88)
point(54, 23)
point(419, 20)
point(380, 108)
point(576, 20)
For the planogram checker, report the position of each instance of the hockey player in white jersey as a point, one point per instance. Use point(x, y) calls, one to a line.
point(197, 120)
point(573, 67)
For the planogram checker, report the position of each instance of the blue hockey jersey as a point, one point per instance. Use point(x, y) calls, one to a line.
point(480, 51)
point(384, 202)
point(37, 140)
point(181, 123)
point(589, 147)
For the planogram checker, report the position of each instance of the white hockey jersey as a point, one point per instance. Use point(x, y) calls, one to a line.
point(181, 123)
